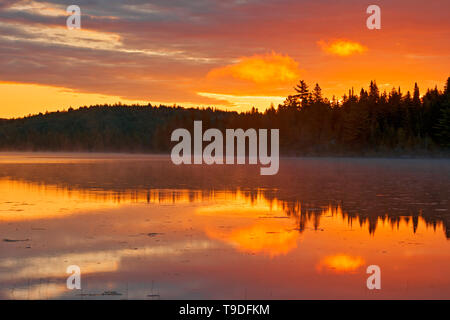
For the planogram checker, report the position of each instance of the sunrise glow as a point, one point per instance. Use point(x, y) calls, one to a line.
point(137, 54)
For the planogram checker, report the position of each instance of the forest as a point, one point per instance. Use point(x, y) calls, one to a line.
point(368, 123)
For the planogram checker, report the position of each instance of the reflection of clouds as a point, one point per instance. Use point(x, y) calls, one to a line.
point(38, 269)
point(257, 224)
point(268, 239)
point(212, 236)
point(21, 201)
point(36, 291)
point(340, 263)
point(202, 234)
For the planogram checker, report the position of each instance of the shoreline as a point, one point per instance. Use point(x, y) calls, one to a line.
point(128, 154)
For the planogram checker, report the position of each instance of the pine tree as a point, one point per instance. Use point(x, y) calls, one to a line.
point(317, 94)
point(416, 96)
point(447, 87)
point(302, 92)
point(374, 94)
point(443, 128)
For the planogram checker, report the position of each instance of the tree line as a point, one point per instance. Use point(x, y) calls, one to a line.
point(368, 123)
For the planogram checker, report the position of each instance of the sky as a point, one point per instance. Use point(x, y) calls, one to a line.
point(231, 55)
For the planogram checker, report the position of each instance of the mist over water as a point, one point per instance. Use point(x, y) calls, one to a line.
point(140, 227)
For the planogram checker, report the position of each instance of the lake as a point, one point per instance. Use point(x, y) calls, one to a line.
point(140, 227)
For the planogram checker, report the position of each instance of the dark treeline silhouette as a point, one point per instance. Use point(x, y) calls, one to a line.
point(361, 124)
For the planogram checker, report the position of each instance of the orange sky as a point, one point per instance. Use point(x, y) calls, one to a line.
point(232, 55)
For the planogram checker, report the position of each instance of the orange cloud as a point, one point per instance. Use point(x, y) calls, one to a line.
point(342, 47)
point(260, 69)
point(244, 103)
point(341, 263)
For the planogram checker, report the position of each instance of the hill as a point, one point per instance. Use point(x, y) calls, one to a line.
point(366, 124)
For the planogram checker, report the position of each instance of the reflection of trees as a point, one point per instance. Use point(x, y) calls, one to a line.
point(308, 216)
point(306, 192)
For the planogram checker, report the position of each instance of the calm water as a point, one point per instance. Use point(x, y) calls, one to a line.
point(142, 228)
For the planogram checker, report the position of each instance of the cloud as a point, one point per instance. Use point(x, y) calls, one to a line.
point(162, 50)
point(342, 47)
point(7, 3)
point(260, 69)
point(243, 102)
point(38, 8)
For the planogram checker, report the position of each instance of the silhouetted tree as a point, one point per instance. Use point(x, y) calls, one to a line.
point(309, 124)
point(317, 94)
point(302, 92)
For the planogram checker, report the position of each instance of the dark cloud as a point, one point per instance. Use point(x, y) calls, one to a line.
point(197, 35)
point(132, 76)
point(7, 3)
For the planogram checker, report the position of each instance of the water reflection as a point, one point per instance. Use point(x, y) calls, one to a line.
point(144, 229)
point(340, 263)
point(19, 203)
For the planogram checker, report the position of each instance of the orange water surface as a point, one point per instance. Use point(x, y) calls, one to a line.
point(141, 228)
